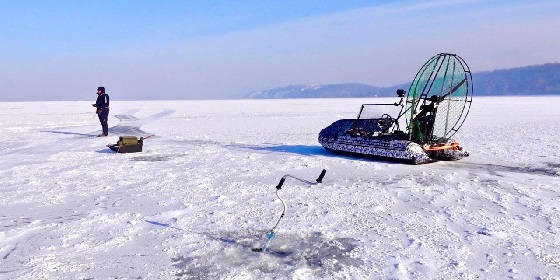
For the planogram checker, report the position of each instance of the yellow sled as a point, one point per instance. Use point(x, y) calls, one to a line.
point(127, 144)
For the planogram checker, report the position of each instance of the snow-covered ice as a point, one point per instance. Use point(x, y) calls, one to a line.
point(201, 195)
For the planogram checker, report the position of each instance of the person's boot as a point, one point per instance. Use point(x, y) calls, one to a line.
point(102, 135)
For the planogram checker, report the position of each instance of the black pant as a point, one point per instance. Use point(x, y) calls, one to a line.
point(103, 117)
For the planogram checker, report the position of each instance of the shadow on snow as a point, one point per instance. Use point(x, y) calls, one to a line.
point(323, 255)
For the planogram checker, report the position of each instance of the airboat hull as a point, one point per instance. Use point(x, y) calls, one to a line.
point(389, 146)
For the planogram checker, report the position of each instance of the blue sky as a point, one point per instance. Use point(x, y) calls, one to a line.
point(61, 50)
point(44, 28)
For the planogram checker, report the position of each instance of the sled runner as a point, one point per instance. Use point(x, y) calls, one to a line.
point(433, 110)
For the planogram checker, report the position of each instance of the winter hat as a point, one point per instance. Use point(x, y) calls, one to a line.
point(102, 89)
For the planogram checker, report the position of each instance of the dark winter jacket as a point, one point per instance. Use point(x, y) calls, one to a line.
point(102, 101)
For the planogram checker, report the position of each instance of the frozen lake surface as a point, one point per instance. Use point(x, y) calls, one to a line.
point(201, 195)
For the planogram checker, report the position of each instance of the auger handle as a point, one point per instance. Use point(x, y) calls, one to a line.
point(279, 186)
point(320, 179)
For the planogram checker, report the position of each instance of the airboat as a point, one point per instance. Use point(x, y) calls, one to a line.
point(434, 109)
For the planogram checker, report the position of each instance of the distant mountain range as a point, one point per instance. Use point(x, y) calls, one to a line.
point(321, 91)
point(528, 80)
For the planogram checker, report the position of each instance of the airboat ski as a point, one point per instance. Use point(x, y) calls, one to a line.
point(433, 110)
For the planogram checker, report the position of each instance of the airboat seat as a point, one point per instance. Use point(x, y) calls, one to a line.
point(370, 127)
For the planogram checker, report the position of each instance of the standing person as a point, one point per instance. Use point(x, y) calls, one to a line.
point(102, 105)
